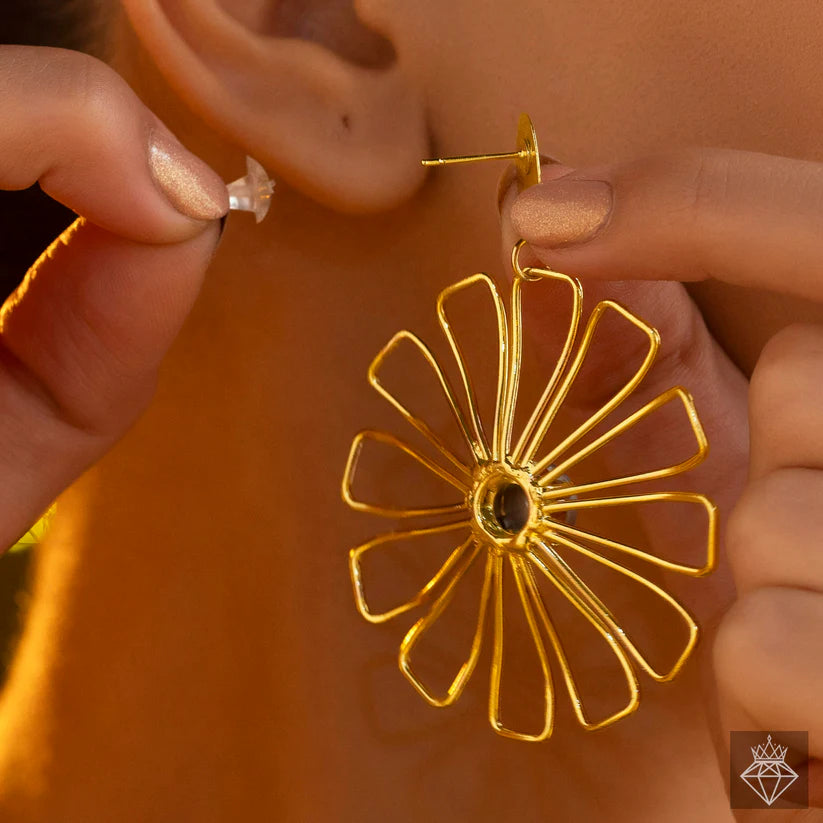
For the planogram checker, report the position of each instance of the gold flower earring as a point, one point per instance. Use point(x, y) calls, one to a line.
point(515, 508)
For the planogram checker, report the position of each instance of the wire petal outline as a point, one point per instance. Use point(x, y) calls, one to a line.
point(568, 380)
point(356, 571)
point(549, 562)
point(568, 676)
point(636, 500)
point(396, 511)
point(425, 623)
point(516, 563)
point(408, 416)
point(502, 366)
point(676, 392)
point(530, 275)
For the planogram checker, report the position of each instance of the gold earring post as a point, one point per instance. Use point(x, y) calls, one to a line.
point(471, 158)
point(526, 158)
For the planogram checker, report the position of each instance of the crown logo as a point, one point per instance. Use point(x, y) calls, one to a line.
point(769, 775)
point(768, 751)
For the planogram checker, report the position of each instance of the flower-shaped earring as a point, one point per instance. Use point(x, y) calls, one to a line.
point(515, 512)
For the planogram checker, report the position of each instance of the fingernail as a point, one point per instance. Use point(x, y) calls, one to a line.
point(509, 177)
point(562, 212)
point(188, 183)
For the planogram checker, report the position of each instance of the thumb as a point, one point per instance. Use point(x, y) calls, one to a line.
point(745, 218)
point(82, 337)
point(81, 341)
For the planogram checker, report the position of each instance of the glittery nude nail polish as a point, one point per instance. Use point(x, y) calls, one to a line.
point(550, 166)
point(187, 182)
point(562, 212)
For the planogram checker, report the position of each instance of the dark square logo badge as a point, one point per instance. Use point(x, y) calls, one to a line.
point(769, 770)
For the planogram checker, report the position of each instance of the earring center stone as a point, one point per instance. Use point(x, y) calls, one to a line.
point(511, 507)
point(504, 504)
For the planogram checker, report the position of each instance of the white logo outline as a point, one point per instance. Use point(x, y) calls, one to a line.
point(769, 762)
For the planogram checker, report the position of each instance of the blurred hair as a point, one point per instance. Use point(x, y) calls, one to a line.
point(68, 24)
point(29, 220)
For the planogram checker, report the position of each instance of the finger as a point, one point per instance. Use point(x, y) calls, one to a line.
point(773, 533)
point(771, 540)
point(786, 400)
point(80, 344)
point(746, 218)
point(766, 654)
point(768, 663)
point(74, 125)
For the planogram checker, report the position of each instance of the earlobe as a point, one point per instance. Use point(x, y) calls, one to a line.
point(348, 131)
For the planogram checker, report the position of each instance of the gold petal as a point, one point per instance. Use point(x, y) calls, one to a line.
point(676, 393)
point(698, 500)
point(419, 629)
point(520, 575)
point(559, 572)
point(571, 684)
point(409, 416)
point(568, 380)
point(357, 555)
point(537, 276)
point(496, 450)
point(398, 511)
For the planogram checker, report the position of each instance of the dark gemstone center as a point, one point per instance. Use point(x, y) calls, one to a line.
point(511, 508)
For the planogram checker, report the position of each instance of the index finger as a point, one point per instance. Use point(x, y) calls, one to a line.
point(746, 218)
point(70, 122)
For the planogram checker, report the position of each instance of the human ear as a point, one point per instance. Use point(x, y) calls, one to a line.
point(302, 85)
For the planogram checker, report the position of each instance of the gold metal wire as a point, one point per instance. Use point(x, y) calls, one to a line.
point(541, 409)
point(533, 552)
point(424, 624)
point(517, 565)
point(502, 370)
point(396, 511)
point(356, 557)
point(571, 683)
point(420, 425)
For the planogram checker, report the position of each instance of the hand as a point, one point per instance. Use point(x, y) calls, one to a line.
point(752, 220)
point(82, 338)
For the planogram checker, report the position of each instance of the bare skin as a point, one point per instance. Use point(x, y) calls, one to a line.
point(193, 651)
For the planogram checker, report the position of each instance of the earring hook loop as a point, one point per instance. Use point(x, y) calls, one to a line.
point(527, 272)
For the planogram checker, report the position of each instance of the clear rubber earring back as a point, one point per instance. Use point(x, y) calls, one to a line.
point(253, 192)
